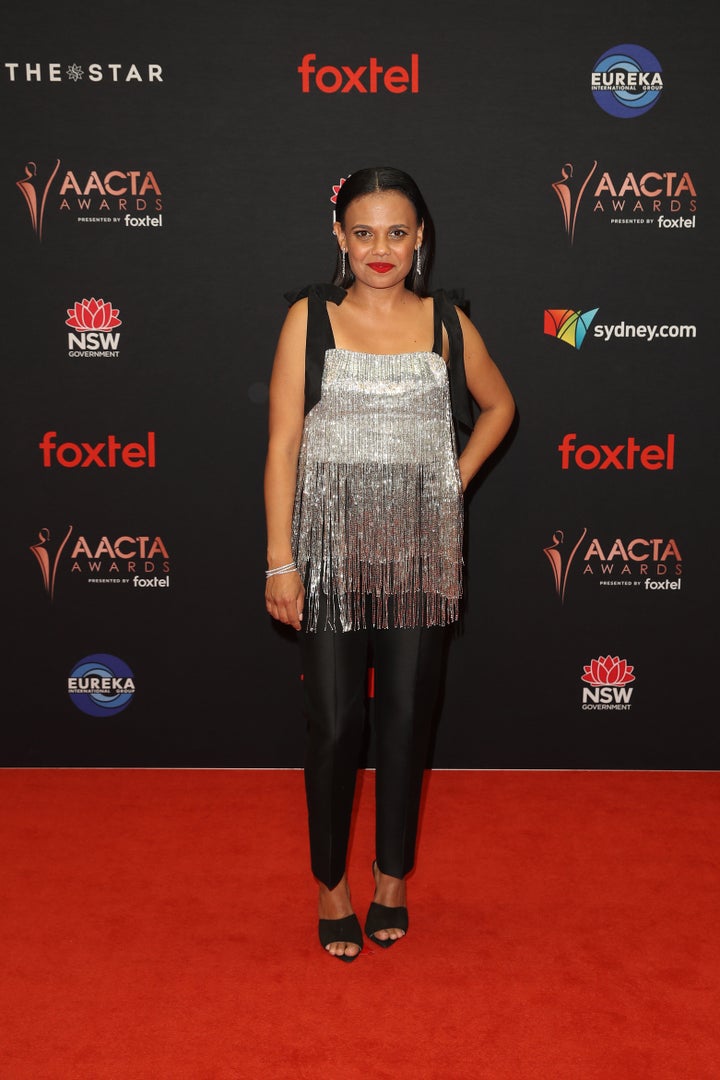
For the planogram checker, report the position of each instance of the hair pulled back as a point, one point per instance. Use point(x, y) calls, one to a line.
point(380, 179)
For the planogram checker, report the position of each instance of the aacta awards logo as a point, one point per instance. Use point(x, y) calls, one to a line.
point(606, 683)
point(652, 564)
point(626, 81)
point(664, 200)
point(109, 454)
point(95, 320)
point(116, 196)
point(140, 561)
point(101, 685)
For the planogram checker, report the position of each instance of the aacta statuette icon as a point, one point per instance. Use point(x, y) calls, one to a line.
point(566, 190)
point(35, 194)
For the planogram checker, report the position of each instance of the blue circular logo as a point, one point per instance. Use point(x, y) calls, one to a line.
point(101, 685)
point(627, 81)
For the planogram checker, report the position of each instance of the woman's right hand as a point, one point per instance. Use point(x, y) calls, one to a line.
point(285, 598)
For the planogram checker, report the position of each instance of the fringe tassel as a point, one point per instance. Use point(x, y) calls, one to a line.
point(391, 532)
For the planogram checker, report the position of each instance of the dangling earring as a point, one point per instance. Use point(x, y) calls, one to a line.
point(343, 262)
point(418, 265)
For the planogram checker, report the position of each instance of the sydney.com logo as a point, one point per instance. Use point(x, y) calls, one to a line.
point(572, 326)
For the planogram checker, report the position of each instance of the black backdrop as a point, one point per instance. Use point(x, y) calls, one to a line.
point(208, 100)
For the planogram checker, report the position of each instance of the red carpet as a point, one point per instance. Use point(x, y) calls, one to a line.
point(159, 925)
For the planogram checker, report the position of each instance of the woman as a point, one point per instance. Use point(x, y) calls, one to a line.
point(363, 492)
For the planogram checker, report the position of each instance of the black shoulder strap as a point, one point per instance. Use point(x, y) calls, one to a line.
point(437, 327)
point(460, 399)
point(319, 335)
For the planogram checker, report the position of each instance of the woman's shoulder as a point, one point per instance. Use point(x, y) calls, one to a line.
point(318, 291)
point(451, 300)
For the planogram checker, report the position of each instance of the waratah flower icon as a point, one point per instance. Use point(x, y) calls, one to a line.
point(608, 671)
point(93, 315)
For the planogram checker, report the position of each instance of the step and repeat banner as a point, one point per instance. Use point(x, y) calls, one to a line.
point(167, 175)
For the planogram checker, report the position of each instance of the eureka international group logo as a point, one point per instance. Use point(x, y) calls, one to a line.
point(626, 81)
point(101, 685)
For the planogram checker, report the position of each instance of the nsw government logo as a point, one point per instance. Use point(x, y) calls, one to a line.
point(626, 81)
point(101, 685)
point(93, 323)
point(605, 683)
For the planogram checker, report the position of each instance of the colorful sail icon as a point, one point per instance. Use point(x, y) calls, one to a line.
point(568, 325)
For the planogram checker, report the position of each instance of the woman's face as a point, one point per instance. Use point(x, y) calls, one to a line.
point(380, 234)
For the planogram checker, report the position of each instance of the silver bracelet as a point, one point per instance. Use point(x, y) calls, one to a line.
point(286, 569)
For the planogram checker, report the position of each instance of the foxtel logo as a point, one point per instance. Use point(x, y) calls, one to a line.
point(331, 80)
point(106, 455)
point(623, 456)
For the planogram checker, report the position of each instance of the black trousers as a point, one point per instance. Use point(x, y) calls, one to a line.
point(408, 668)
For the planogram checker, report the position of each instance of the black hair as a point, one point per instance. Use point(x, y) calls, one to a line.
point(384, 178)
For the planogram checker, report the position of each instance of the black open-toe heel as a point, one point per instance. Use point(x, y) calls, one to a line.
point(345, 929)
point(380, 917)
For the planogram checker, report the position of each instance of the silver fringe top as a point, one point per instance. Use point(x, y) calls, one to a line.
point(378, 516)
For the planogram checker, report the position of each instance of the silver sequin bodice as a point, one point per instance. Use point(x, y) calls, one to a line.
point(377, 523)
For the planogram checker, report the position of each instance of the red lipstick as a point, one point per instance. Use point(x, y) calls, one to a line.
point(380, 267)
